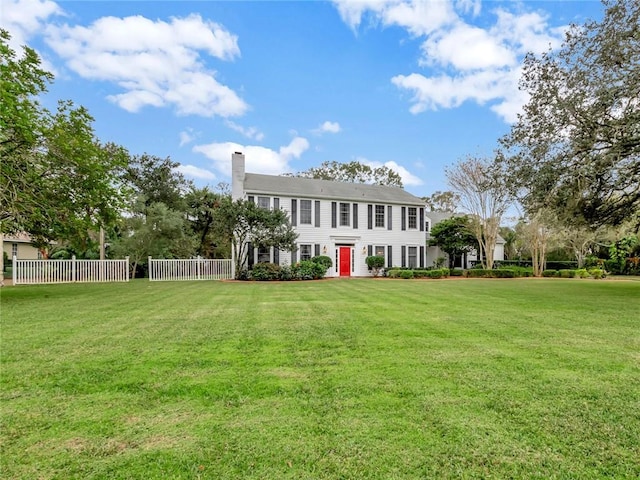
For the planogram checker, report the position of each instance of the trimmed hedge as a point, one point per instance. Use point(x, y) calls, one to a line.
point(485, 273)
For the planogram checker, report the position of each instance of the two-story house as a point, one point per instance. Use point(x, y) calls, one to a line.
point(345, 221)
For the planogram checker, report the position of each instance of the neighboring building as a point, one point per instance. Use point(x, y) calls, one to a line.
point(345, 221)
point(468, 260)
point(19, 245)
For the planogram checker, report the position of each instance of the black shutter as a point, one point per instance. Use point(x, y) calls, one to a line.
point(294, 212)
point(403, 254)
point(389, 257)
point(317, 213)
point(369, 250)
point(389, 219)
point(403, 212)
point(355, 215)
point(422, 219)
point(250, 259)
point(370, 217)
point(276, 256)
point(276, 203)
point(316, 249)
point(422, 257)
point(334, 214)
point(250, 197)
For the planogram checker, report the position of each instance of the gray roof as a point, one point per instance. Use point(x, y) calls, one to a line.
point(312, 188)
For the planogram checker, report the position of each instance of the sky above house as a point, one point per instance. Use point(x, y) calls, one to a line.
point(413, 85)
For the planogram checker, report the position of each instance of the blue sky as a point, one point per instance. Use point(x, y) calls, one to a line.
point(414, 85)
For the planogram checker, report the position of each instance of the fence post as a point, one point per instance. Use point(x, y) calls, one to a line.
point(73, 268)
point(14, 270)
point(150, 269)
point(126, 269)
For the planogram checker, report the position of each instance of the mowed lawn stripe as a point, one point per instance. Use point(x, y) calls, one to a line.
point(358, 378)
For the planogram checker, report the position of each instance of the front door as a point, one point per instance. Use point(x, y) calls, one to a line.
point(345, 261)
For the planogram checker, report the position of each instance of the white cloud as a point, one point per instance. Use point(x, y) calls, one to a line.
point(408, 179)
point(192, 171)
point(155, 63)
point(328, 127)
point(23, 18)
point(258, 159)
point(186, 137)
point(249, 132)
point(463, 62)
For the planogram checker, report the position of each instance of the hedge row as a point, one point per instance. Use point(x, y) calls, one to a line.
point(596, 273)
point(418, 273)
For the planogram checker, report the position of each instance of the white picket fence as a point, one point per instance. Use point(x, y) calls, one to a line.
point(67, 271)
point(190, 269)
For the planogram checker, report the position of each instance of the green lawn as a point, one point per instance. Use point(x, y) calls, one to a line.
point(337, 379)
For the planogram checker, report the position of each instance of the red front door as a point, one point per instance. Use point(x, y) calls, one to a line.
point(345, 261)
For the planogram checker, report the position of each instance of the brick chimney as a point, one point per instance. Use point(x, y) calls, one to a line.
point(237, 175)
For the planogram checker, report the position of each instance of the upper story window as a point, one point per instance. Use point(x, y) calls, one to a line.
point(426, 226)
point(413, 217)
point(344, 215)
point(264, 202)
point(305, 212)
point(380, 216)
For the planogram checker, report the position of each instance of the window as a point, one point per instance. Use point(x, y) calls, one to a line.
point(14, 250)
point(305, 252)
point(264, 202)
point(413, 217)
point(264, 254)
point(413, 257)
point(380, 216)
point(344, 215)
point(379, 251)
point(426, 226)
point(305, 212)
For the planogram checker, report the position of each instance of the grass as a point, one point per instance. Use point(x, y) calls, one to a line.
point(339, 379)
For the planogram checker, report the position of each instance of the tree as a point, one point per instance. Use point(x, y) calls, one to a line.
point(157, 180)
point(454, 237)
point(247, 225)
point(446, 201)
point(510, 242)
point(160, 232)
point(485, 197)
point(203, 210)
point(354, 172)
point(580, 240)
point(576, 147)
point(537, 234)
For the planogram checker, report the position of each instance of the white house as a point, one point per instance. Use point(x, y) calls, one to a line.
point(345, 221)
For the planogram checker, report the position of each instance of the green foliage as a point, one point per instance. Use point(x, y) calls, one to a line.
point(453, 236)
point(575, 149)
point(597, 273)
point(446, 201)
point(244, 222)
point(405, 274)
point(354, 172)
point(202, 211)
point(582, 273)
point(375, 264)
point(550, 273)
point(308, 270)
point(567, 273)
point(491, 273)
point(323, 260)
point(265, 272)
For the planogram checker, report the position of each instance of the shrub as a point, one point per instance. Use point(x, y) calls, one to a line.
point(323, 260)
point(265, 272)
point(286, 273)
point(434, 273)
point(406, 274)
point(308, 270)
point(393, 273)
point(582, 273)
point(422, 273)
point(496, 273)
point(597, 273)
point(549, 273)
point(567, 273)
point(560, 265)
point(445, 272)
point(456, 273)
point(375, 264)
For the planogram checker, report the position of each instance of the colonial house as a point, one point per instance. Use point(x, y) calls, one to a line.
point(467, 261)
point(345, 221)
